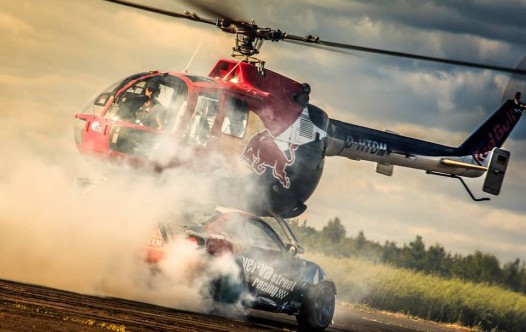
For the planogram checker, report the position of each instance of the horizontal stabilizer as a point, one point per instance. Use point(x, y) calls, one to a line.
point(456, 163)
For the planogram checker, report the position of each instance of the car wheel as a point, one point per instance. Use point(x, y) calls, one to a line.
point(317, 308)
point(229, 289)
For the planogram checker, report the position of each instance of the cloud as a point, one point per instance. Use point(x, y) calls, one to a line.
point(13, 26)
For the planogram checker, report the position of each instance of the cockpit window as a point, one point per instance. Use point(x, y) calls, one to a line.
point(136, 89)
point(200, 79)
point(203, 119)
point(96, 104)
point(171, 96)
point(235, 122)
point(167, 96)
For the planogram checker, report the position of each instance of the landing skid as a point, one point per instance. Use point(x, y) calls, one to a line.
point(463, 183)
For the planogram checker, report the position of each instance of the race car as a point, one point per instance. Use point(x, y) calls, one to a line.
point(271, 272)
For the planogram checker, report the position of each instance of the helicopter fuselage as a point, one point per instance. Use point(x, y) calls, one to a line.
point(253, 127)
point(259, 136)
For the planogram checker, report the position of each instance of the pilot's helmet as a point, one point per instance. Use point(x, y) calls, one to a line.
point(153, 87)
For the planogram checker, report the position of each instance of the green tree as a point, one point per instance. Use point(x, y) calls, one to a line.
point(482, 267)
point(360, 242)
point(512, 274)
point(331, 237)
point(476, 267)
point(414, 255)
point(334, 231)
point(391, 253)
point(435, 260)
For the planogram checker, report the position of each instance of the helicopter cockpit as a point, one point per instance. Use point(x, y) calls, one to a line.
point(129, 133)
point(191, 109)
point(110, 122)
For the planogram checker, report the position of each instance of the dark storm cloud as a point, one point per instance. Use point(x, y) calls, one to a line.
point(481, 32)
point(493, 19)
point(472, 31)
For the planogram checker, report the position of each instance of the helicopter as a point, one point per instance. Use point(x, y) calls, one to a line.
point(256, 131)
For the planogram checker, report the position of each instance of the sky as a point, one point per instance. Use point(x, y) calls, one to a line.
point(57, 54)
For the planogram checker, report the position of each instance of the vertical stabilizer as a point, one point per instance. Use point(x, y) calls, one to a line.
point(494, 131)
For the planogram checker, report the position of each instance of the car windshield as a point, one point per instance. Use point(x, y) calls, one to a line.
point(246, 230)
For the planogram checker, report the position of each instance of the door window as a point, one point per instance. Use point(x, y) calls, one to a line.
point(203, 120)
point(262, 236)
point(235, 122)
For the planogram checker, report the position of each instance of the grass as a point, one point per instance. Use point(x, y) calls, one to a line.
point(443, 300)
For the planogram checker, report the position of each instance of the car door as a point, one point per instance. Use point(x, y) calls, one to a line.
point(271, 272)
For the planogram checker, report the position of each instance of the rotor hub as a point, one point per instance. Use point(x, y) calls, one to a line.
point(248, 36)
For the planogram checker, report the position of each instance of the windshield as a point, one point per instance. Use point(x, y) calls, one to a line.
point(96, 103)
point(246, 230)
point(155, 102)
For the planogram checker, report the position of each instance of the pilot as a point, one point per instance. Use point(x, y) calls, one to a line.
point(151, 112)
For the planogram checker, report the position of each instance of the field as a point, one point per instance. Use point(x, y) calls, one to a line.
point(488, 308)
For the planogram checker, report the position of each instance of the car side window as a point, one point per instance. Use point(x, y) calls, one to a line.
point(262, 236)
point(232, 226)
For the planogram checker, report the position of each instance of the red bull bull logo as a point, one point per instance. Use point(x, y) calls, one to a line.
point(262, 152)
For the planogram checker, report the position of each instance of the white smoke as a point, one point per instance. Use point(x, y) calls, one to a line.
point(91, 240)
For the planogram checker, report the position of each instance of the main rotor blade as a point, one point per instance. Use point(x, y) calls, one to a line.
point(227, 24)
point(515, 83)
point(188, 16)
point(217, 9)
point(313, 41)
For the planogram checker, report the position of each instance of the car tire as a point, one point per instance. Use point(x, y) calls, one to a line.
point(317, 308)
point(228, 289)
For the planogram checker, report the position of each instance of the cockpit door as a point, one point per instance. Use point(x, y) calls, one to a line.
point(271, 272)
point(203, 120)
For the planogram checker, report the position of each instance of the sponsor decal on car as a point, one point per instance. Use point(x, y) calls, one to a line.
point(266, 280)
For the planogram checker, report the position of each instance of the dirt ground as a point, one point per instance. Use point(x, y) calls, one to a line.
point(26, 307)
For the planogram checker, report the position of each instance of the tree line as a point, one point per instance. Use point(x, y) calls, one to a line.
point(478, 267)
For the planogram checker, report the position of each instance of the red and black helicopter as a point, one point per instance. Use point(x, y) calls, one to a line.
point(259, 134)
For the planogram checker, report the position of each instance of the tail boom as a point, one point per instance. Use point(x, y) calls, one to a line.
point(470, 159)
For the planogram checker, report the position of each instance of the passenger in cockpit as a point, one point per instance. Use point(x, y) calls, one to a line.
point(151, 113)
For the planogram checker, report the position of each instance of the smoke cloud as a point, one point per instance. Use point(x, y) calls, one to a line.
point(90, 239)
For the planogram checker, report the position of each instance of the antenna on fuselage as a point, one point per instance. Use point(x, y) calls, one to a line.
point(232, 70)
point(193, 56)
